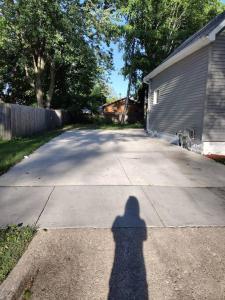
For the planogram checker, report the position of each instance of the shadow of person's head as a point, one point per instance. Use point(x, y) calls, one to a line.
point(132, 207)
point(131, 217)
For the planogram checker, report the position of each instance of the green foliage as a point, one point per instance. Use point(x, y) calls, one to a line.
point(53, 49)
point(153, 28)
point(111, 99)
point(13, 242)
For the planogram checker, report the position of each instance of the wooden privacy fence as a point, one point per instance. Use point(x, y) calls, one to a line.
point(20, 120)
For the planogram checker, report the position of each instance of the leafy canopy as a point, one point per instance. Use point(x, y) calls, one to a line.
point(53, 49)
point(154, 28)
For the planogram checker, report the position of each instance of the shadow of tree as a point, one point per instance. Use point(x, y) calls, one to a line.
point(128, 276)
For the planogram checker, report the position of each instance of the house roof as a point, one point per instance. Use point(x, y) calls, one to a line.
point(203, 37)
point(122, 99)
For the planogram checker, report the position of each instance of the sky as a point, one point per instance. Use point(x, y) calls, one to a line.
point(118, 83)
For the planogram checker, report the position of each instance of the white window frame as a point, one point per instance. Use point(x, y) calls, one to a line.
point(156, 97)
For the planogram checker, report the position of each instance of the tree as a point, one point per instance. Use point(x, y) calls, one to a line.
point(52, 40)
point(153, 28)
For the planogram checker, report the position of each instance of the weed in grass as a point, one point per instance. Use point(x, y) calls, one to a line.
point(27, 294)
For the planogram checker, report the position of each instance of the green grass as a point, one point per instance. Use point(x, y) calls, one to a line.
point(13, 242)
point(11, 152)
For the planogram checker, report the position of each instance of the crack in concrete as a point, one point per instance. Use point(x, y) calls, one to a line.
point(153, 206)
point(49, 196)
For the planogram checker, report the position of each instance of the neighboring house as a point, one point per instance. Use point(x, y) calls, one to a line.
point(114, 111)
point(187, 91)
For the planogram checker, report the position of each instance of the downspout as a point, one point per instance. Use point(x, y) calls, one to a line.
point(149, 83)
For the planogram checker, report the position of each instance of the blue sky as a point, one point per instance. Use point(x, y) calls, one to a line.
point(118, 83)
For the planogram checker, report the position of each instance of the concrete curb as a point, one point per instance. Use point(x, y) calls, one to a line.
point(21, 277)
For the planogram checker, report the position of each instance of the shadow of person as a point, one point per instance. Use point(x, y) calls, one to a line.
point(128, 276)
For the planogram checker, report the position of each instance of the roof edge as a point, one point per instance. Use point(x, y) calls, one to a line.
point(121, 99)
point(185, 52)
point(177, 57)
point(212, 35)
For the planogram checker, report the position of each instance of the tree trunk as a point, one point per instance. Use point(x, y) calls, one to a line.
point(39, 91)
point(123, 119)
point(39, 66)
point(30, 80)
point(126, 102)
point(51, 85)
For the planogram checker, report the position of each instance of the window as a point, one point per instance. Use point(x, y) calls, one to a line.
point(156, 97)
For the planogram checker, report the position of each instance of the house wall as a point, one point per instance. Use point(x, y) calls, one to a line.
point(182, 92)
point(114, 112)
point(115, 107)
point(214, 121)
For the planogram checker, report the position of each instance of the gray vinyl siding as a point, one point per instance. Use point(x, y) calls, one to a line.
point(214, 123)
point(182, 92)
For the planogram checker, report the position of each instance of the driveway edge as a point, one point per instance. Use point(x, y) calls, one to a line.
point(21, 277)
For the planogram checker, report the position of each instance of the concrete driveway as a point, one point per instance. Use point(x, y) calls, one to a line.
point(119, 191)
point(84, 179)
